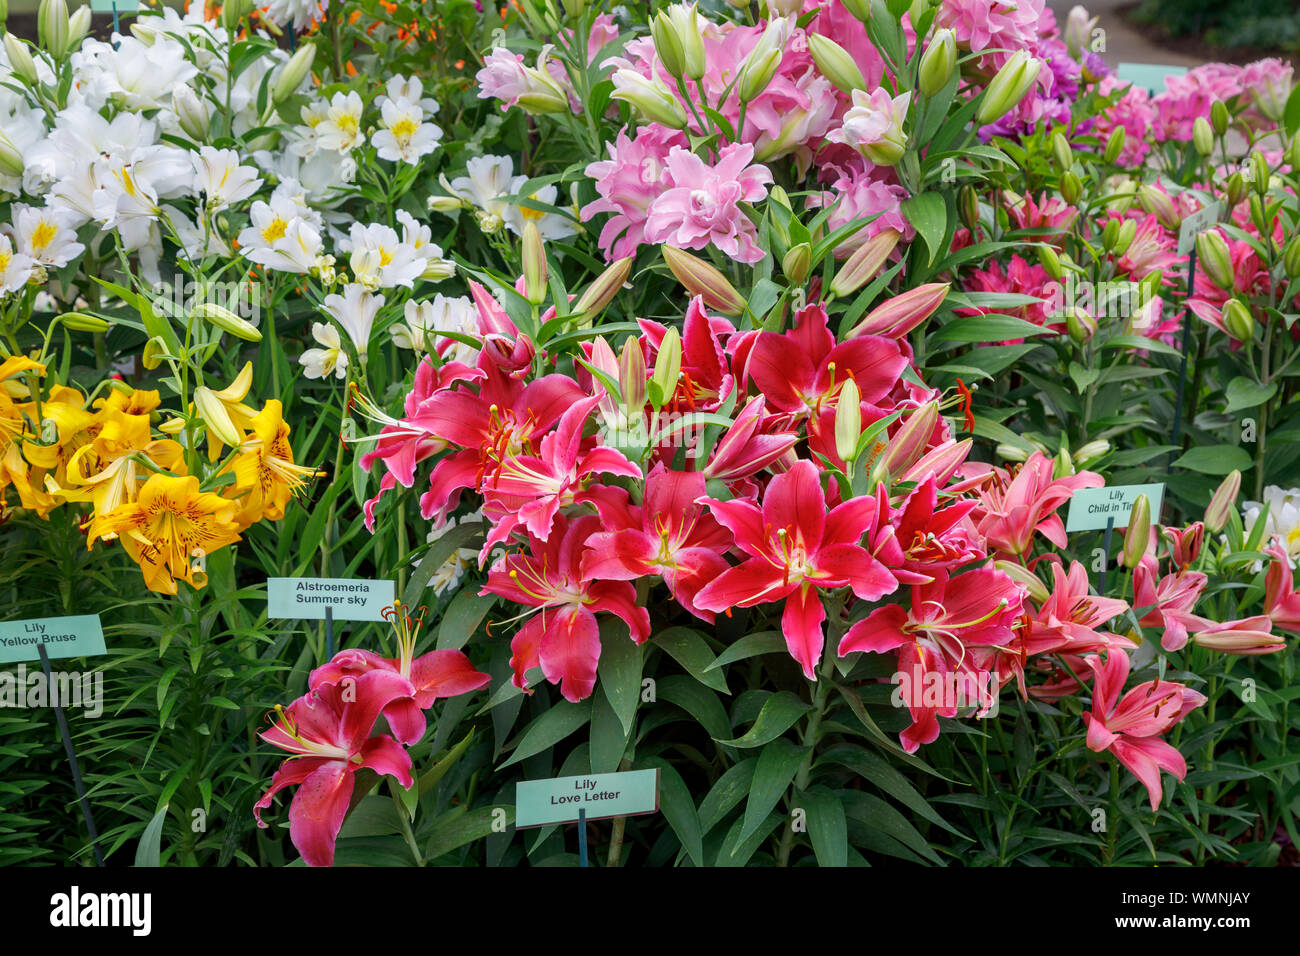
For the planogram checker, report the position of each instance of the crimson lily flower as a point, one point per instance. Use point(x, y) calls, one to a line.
point(437, 674)
point(801, 370)
point(328, 732)
point(1171, 601)
point(796, 548)
point(1012, 511)
point(948, 620)
point(530, 490)
point(1130, 728)
point(1281, 599)
point(564, 639)
point(670, 535)
point(706, 379)
point(747, 447)
point(919, 538)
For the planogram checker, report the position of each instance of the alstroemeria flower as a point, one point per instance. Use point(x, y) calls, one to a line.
point(669, 535)
point(796, 548)
point(1130, 728)
point(1014, 507)
point(1171, 601)
point(564, 638)
point(328, 732)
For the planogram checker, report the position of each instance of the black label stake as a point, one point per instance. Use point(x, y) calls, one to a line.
point(582, 837)
point(72, 757)
point(329, 632)
point(1105, 557)
point(1182, 369)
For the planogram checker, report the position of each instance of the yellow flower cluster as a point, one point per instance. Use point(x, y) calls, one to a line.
point(61, 450)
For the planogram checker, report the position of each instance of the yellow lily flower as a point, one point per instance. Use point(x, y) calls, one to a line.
point(265, 474)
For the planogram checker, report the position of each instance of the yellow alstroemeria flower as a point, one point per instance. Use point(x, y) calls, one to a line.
point(167, 527)
point(265, 474)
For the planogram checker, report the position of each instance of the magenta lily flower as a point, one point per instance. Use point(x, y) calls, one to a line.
point(1130, 728)
point(564, 638)
point(1170, 601)
point(1012, 511)
point(796, 548)
point(706, 380)
point(1281, 599)
point(670, 535)
point(328, 732)
point(747, 447)
point(919, 538)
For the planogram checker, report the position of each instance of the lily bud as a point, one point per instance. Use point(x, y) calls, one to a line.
point(52, 27)
point(1250, 637)
point(152, 353)
point(1124, 236)
point(937, 63)
point(631, 375)
point(1114, 145)
point(1137, 536)
point(796, 263)
point(232, 12)
point(191, 112)
point(760, 66)
point(700, 278)
point(1061, 152)
point(1291, 258)
point(1025, 578)
point(835, 63)
point(904, 312)
point(908, 443)
point(293, 73)
point(866, 260)
point(1236, 189)
point(848, 421)
point(534, 264)
point(1257, 216)
point(668, 365)
point(1155, 201)
point(1222, 502)
point(668, 46)
point(650, 97)
point(1237, 320)
point(1071, 188)
point(1081, 325)
point(227, 321)
point(4, 12)
point(1008, 87)
point(859, 8)
point(20, 59)
point(1050, 261)
point(968, 207)
point(601, 292)
point(1293, 152)
point(11, 160)
point(1203, 136)
point(1215, 259)
point(78, 26)
point(1259, 172)
point(1219, 117)
point(80, 322)
point(215, 417)
point(1062, 464)
point(1009, 452)
point(942, 462)
point(1090, 451)
point(1109, 234)
point(1078, 29)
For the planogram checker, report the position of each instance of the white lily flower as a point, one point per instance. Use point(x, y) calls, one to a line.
point(219, 176)
point(319, 363)
point(355, 311)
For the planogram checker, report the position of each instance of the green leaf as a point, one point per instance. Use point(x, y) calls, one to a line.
point(928, 213)
point(698, 701)
point(1244, 393)
point(872, 767)
point(429, 779)
point(689, 649)
point(462, 618)
point(552, 726)
point(751, 645)
point(1215, 459)
point(777, 765)
point(974, 329)
point(149, 852)
point(608, 734)
point(728, 791)
point(620, 670)
point(453, 832)
point(828, 827)
point(678, 808)
point(435, 557)
point(778, 715)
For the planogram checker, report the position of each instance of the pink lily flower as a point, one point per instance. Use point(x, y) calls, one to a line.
point(435, 675)
point(328, 733)
point(1171, 602)
point(564, 639)
point(1185, 543)
point(796, 548)
point(1251, 636)
point(670, 536)
point(1013, 510)
point(706, 379)
point(919, 538)
point(748, 446)
point(1281, 599)
point(1070, 617)
point(1130, 727)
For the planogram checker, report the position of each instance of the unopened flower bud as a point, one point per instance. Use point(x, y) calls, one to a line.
point(859, 8)
point(1215, 259)
point(1292, 155)
point(1081, 325)
point(796, 263)
point(234, 11)
point(1114, 145)
point(191, 112)
point(1259, 172)
point(650, 97)
point(78, 26)
point(81, 322)
point(1291, 258)
point(1008, 87)
point(1061, 152)
point(668, 46)
point(1235, 189)
point(1071, 188)
point(1203, 136)
point(760, 66)
point(1050, 261)
point(848, 421)
point(1237, 320)
point(1219, 118)
point(293, 73)
point(937, 63)
point(11, 160)
point(1078, 30)
point(668, 366)
point(1124, 236)
point(1031, 582)
point(835, 63)
point(1222, 502)
point(215, 416)
point(20, 59)
point(535, 272)
point(1257, 216)
point(968, 207)
point(632, 378)
point(1090, 452)
point(1159, 202)
point(701, 278)
point(1137, 537)
point(602, 291)
point(227, 321)
point(866, 260)
point(1009, 452)
point(52, 27)
point(912, 437)
point(151, 354)
point(1109, 234)
point(1063, 464)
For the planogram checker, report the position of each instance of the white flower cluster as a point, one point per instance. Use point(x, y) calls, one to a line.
point(1282, 524)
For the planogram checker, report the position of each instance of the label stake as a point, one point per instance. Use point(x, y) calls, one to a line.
point(582, 837)
point(72, 759)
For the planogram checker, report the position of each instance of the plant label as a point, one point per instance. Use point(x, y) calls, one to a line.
point(305, 599)
point(123, 6)
point(1092, 508)
point(77, 636)
point(1195, 224)
point(602, 795)
point(1148, 76)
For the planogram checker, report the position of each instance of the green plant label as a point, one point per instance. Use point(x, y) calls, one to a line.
point(601, 795)
point(77, 636)
point(1091, 508)
point(106, 6)
point(305, 599)
point(1148, 76)
point(1195, 224)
